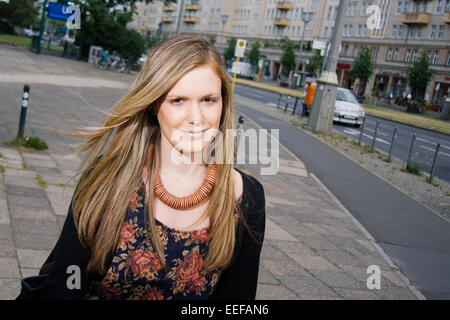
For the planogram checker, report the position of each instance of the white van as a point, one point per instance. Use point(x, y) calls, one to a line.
point(243, 70)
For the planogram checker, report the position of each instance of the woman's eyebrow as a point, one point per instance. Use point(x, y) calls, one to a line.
point(186, 98)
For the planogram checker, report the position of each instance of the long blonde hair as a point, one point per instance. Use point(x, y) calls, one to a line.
point(132, 129)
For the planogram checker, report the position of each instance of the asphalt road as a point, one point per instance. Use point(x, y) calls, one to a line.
point(414, 237)
point(424, 147)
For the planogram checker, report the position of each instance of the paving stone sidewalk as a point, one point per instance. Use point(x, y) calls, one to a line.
point(313, 249)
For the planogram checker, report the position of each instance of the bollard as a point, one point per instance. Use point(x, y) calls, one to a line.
point(392, 144)
point(239, 130)
point(279, 100)
point(295, 105)
point(23, 110)
point(287, 103)
point(375, 135)
point(433, 167)
point(362, 130)
point(410, 150)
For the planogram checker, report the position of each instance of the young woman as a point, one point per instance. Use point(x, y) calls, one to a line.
point(144, 225)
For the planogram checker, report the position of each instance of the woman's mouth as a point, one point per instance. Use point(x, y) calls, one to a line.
point(194, 133)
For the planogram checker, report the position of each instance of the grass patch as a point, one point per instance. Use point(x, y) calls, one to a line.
point(19, 41)
point(422, 121)
point(41, 181)
point(29, 142)
point(413, 168)
point(2, 169)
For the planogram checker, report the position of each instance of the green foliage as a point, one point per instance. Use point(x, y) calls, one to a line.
point(104, 25)
point(315, 63)
point(151, 42)
point(212, 40)
point(254, 54)
point(288, 56)
point(30, 142)
point(19, 13)
point(362, 67)
point(414, 168)
point(228, 53)
point(418, 74)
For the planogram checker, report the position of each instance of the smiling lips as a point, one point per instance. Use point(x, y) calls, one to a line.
point(194, 133)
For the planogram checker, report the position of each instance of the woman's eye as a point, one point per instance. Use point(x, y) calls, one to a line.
point(176, 101)
point(210, 100)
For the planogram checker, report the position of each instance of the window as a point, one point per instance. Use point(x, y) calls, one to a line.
point(408, 55)
point(355, 51)
point(414, 57)
point(399, 8)
point(435, 57)
point(433, 31)
point(396, 54)
point(438, 7)
point(411, 32)
point(359, 30)
point(364, 30)
point(350, 30)
point(325, 32)
point(419, 32)
point(330, 11)
point(394, 31)
point(346, 51)
point(344, 33)
point(448, 59)
point(389, 55)
point(441, 31)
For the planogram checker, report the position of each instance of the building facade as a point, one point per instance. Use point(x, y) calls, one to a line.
point(396, 32)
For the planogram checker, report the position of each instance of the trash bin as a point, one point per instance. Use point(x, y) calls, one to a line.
point(34, 43)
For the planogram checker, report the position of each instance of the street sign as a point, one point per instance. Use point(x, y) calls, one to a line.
point(240, 48)
point(317, 44)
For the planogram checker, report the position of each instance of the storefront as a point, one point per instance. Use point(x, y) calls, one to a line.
point(380, 84)
point(398, 86)
point(440, 90)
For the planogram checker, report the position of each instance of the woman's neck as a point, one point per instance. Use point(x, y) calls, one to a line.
point(173, 163)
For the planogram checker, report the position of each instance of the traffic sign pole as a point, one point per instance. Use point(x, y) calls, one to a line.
point(234, 76)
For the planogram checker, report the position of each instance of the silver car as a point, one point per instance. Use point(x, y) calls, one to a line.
point(347, 108)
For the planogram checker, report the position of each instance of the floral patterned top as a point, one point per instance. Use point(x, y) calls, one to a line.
point(136, 272)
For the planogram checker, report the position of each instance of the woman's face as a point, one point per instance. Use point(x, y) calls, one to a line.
point(189, 117)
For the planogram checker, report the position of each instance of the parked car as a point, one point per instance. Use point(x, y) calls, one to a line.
point(347, 108)
point(29, 33)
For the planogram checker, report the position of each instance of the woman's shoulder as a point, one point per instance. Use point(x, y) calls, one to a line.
point(252, 190)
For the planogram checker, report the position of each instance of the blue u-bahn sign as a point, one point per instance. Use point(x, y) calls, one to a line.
point(70, 14)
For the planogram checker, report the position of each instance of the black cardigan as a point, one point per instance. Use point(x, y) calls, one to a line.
point(238, 281)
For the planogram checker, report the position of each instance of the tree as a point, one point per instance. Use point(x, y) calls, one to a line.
point(254, 55)
point(228, 53)
point(104, 24)
point(418, 74)
point(362, 67)
point(20, 13)
point(315, 64)
point(288, 57)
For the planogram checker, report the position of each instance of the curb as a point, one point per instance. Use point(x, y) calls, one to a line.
point(380, 250)
point(369, 237)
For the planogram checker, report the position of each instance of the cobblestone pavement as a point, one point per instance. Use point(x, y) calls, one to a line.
point(313, 248)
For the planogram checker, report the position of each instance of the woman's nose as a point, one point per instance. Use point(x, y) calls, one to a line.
point(195, 115)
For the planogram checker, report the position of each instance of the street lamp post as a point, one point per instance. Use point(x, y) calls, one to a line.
point(179, 17)
point(322, 111)
point(224, 18)
point(306, 18)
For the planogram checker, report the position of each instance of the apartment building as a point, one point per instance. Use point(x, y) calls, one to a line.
point(402, 29)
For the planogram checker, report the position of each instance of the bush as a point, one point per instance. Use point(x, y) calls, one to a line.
point(414, 168)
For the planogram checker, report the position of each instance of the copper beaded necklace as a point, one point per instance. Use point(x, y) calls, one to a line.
point(188, 201)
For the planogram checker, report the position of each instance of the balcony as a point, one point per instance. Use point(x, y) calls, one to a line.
point(280, 22)
point(192, 7)
point(447, 17)
point(169, 8)
point(284, 5)
point(166, 19)
point(188, 19)
point(416, 18)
